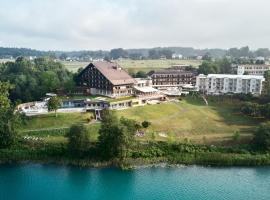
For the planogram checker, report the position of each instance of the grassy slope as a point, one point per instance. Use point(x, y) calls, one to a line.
point(63, 120)
point(50, 121)
point(193, 120)
point(144, 65)
point(189, 119)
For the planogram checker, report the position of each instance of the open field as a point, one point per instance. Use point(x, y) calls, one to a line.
point(148, 65)
point(128, 64)
point(193, 121)
point(136, 65)
point(185, 120)
point(73, 66)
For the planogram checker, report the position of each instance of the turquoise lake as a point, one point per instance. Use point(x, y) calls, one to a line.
point(49, 182)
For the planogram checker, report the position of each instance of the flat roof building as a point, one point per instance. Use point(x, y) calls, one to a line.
point(176, 76)
point(215, 84)
point(252, 69)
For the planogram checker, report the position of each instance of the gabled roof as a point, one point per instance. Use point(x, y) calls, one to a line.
point(113, 72)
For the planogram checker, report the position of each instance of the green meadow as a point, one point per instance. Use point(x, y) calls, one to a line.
point(189, 119)
point(137, 65)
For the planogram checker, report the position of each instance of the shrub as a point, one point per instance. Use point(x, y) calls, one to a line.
point(146, 124)
point(78, 140)
point(262, 137)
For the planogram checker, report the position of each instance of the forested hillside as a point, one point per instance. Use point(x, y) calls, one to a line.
point(32, 79)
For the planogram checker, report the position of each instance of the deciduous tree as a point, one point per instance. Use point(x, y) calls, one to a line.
point(78, 139)
point(53, 104)
point(7, 117)
point(115, 136)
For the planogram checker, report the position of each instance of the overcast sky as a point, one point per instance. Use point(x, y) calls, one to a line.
point(106, 24)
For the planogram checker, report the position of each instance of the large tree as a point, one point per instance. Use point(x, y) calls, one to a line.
point(115, 136)
point(225, 66)
point(262, 137)
point(208, 67)
point(4, 93)
point(267, 83)
point(78, 139)
point(7, 117)
point(118, 53)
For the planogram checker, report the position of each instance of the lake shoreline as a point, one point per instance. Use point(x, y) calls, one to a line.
point(128, 164)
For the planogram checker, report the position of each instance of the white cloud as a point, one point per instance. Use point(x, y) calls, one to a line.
point(105, 24)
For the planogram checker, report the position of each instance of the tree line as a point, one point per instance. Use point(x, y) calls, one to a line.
point(239, 55)
point(220, 66)
point(33, 79)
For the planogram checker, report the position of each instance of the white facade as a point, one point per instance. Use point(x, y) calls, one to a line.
point(252, 69)
point(143, 82)
point(177, 56)
point(215, 84)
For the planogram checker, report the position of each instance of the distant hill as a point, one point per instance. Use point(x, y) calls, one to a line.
point(86, 55)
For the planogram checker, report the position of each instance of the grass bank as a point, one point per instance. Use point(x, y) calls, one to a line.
point(187, 120)
point(190, 119)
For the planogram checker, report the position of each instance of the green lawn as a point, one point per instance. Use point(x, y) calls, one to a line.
point(37, 125)
point(50, 121)
point(188, 119)
point(73, 66)
point(148, 65)
point(92, 134)
point(192, 120)
point(136, 65)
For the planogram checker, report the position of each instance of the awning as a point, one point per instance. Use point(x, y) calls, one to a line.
point(145, 89)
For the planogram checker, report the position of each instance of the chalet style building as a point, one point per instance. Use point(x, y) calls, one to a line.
point(107, 79)
point(173, 77)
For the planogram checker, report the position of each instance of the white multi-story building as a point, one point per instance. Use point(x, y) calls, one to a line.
point(252, 69)
point(215, 84)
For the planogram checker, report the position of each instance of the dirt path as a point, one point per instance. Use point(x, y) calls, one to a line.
point(205, 100)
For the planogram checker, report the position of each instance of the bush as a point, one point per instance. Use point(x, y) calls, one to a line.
point(252, 109)
point(146, 124)
point(262, 137)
